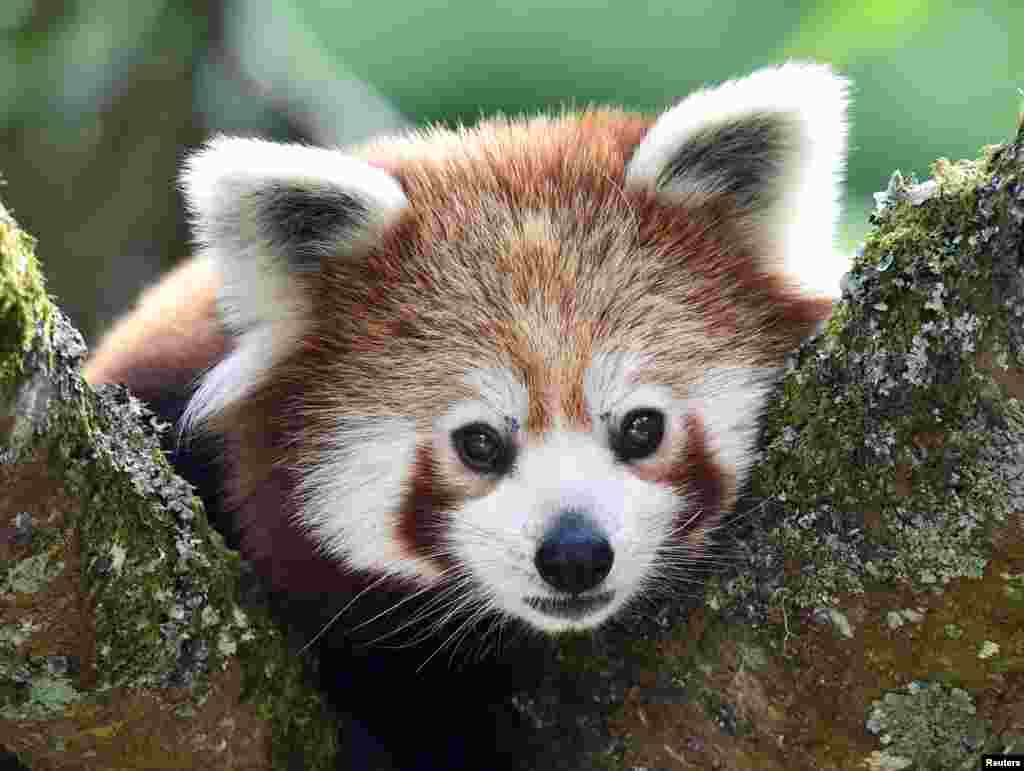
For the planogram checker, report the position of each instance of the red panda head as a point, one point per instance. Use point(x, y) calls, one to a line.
point(520, 362)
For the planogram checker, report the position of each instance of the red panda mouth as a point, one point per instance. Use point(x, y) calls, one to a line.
point(571, 607)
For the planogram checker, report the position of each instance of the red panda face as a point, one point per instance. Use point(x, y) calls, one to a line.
point(553, 455)
point(581, 518)
point(521, 364)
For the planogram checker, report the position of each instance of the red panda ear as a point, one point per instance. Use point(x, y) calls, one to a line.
point(265, 214)
point(774, 143)
point(250, 198)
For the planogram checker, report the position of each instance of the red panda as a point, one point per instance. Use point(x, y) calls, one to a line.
point(516, 367)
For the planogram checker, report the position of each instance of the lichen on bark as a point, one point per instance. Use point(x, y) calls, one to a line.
point(125, 640)
point(889, 446)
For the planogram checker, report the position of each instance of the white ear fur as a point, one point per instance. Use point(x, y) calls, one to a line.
point(264, 213)
point(775, 141)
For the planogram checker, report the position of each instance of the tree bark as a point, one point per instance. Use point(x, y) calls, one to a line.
point(127, 639)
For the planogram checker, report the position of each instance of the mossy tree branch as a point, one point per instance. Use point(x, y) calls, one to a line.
point(124, 638)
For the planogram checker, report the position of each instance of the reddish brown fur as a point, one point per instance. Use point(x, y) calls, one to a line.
point(620, 270)
point(172, 333)
point(426, 505)
point(709, 488)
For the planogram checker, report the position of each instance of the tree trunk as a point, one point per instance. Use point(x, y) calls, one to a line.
point(126, 639)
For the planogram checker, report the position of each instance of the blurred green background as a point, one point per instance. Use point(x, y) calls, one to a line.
point(100, 99)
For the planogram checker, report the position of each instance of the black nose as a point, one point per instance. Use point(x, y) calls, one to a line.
point(574, 555)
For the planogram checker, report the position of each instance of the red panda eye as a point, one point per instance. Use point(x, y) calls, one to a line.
point(640, 434)
point(481, 448)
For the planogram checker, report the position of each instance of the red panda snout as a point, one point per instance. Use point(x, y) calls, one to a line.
point(574, 555)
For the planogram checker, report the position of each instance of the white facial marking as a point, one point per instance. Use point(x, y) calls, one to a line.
point(503, 402)
point(729, 401)
point(351, 502)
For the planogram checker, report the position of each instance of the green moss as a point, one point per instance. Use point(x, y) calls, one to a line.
point(279, 682)
point(853, 459)
point(753, 657)
point(953, 631)
point(166, 611)
point(24, 304)
point(51, 695)
point(1014, 589)
point(32, 574)
point(161, 587)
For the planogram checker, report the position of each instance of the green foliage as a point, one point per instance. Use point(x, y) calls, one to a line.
point(837, 31)
point(934, 78)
